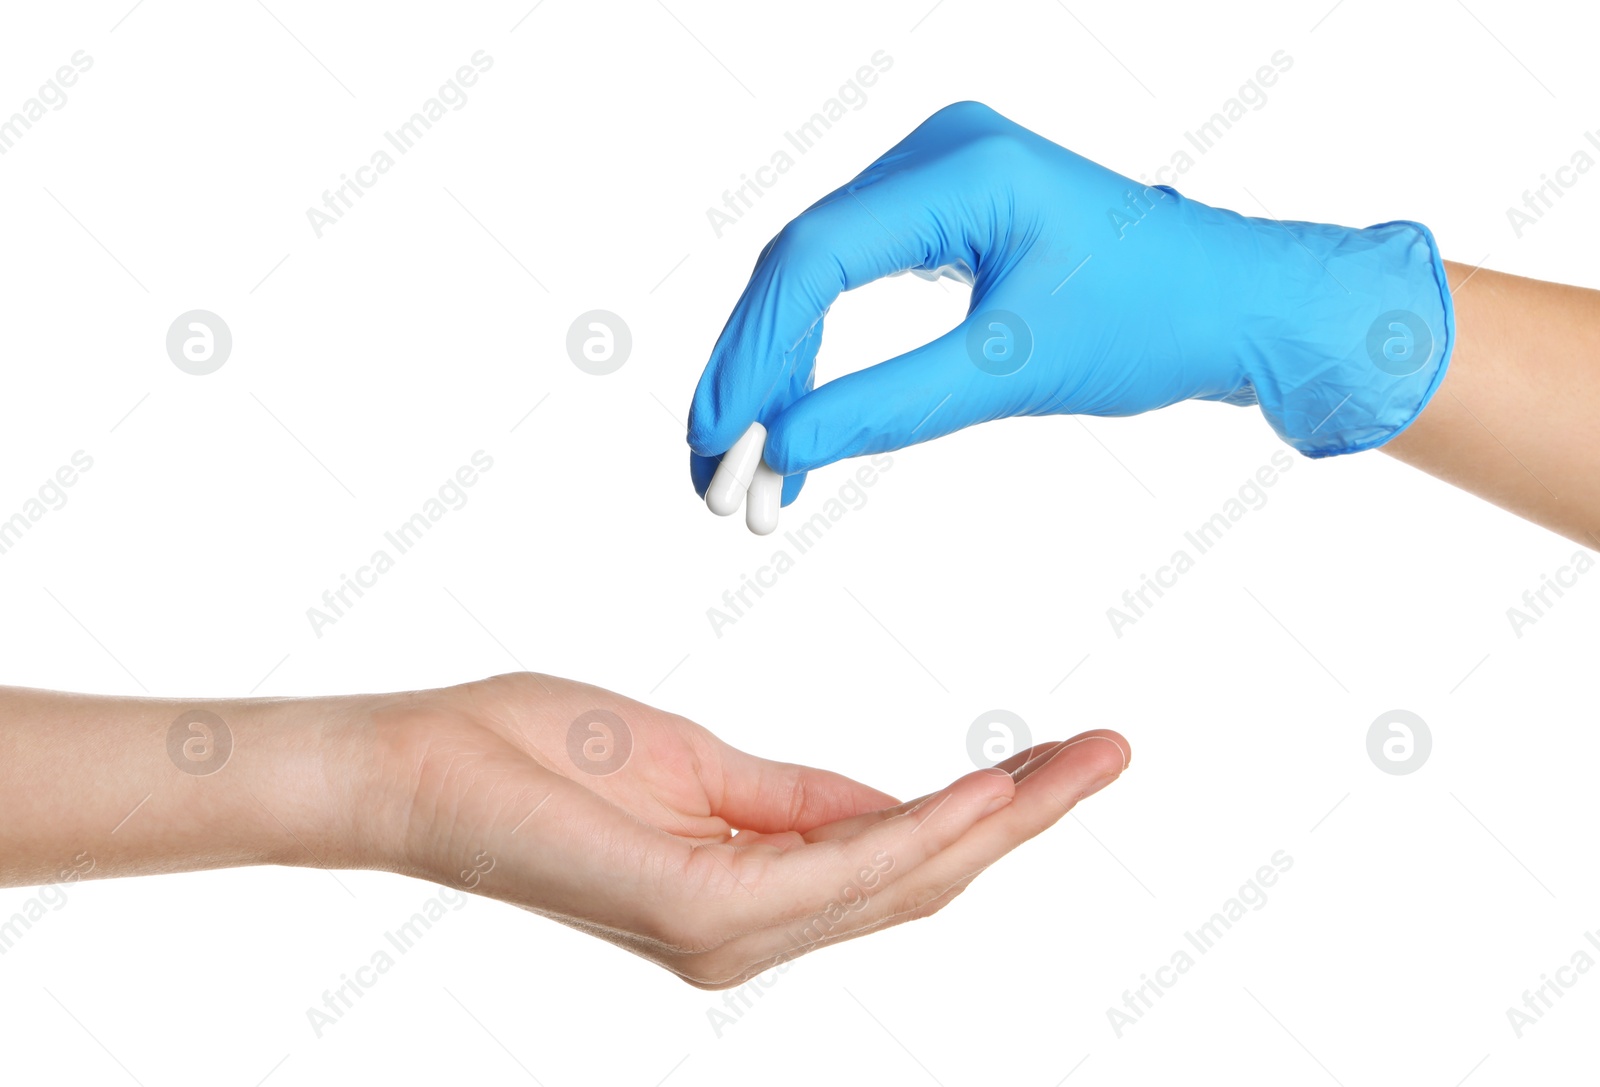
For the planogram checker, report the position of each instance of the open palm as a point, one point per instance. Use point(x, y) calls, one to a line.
point(643, 828)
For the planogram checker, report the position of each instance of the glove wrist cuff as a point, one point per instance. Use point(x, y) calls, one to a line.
point(1363, 341)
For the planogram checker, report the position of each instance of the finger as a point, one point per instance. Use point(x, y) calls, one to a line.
point(791, 487)
point(1048, 788)
point(926, 393)
point(844, 828)
point(770, 797)
point(853, 236)
point(1055, 782)
point(1039, 756)
point(703, 470)
point(795, 884)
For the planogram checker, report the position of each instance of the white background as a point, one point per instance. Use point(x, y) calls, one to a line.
point(371, 363)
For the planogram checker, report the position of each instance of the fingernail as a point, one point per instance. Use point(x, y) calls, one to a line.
point(1036, 763)
point(995, 805)
point(1100, 784)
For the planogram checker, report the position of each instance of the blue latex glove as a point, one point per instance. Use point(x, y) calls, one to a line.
point(1091, 294)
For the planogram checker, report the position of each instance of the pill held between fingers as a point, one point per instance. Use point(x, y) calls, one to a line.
point(762, 502)
point(738, 468)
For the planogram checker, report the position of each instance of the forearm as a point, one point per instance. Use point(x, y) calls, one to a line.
point(111, 786)
point(1517, 418)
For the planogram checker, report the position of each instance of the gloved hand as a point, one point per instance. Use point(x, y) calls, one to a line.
point(1091, 294)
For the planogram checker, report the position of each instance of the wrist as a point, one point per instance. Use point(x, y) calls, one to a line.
point(246, 782)
point(1354, 330)
point(306, 783)
point(143, 786)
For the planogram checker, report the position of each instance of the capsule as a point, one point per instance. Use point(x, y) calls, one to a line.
point(738, 468)
point(762, 502)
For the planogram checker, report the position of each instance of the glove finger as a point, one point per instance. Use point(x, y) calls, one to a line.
point(703, 468)
point(926, 393)
point(791, 487)
point(850, 238)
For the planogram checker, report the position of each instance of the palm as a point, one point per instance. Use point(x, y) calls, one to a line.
point(642, 827)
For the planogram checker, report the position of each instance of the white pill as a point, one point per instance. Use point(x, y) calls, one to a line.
point(738, 468)
point(762, 503)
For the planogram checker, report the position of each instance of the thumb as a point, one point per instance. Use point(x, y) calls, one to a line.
point(961, 378)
